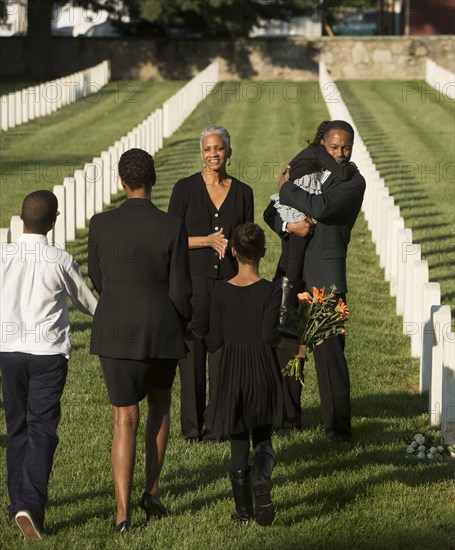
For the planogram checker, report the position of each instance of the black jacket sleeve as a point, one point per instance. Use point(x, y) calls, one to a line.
point(94, 271)
point(313, 158)
point(180, 288)
point(273, 219)
point(177, 206)
point(336, 200)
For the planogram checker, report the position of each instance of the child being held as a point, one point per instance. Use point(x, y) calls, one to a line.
point(244, 319)
point(309, 169)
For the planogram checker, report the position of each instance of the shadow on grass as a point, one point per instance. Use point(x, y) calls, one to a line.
point(81, 518)
point(80, 326)
point(402, 405)
point(193, 478)
point(340, 498)
point(386, 405)
point(373, 468)
point(313, 457)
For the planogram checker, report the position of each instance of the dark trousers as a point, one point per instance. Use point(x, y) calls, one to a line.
point(334, 387)
point(334, 390)
point(193, 367)
point(293, 249)
point(193, 387)
point(292, 393)
point(32, 388)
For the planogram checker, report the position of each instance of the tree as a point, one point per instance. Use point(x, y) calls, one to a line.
point(39, 32)
point(222, 17)
point(208, 17)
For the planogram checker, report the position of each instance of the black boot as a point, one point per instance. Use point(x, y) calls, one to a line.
point(289, 289)
point(241, 487)
point(263, 463)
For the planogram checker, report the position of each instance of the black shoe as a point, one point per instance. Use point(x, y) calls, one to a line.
point(241, 488)
point(152, 506)
point(263, 463)
point(122, 527)
point(264, 509)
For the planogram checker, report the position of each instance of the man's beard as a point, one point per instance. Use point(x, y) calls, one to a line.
point(341, 160)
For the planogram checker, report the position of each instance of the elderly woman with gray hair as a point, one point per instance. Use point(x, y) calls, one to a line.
point(212, 203)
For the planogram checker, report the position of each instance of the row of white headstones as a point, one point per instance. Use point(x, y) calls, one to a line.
point(90, 189)
point(43, 99)
point(418, 301)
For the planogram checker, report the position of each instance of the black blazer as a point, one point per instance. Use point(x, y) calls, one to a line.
point(138, 262)
point(336, 210)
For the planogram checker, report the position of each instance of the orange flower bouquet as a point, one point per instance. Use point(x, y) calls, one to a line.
point(318, 317)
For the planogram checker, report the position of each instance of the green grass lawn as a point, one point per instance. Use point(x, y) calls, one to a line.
point(366, 497)
point(39, 154)
point(410, 135)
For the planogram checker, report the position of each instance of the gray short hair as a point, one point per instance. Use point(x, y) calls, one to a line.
point(216, 130)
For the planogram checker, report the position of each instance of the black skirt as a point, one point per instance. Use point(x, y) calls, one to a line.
point(129, 381)
point(249, 392)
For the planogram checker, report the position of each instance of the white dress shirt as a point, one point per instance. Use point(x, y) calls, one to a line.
point(35, 281)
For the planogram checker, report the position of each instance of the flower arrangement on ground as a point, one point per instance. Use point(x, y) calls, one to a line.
point(318, 316)
point(425, 447)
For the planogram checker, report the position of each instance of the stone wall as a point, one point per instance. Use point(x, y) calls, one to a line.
point(374, 57)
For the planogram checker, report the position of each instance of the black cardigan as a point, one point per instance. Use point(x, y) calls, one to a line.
point(191, 202)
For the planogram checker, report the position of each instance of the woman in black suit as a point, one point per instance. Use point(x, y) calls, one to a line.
point(138, 262)
point(212, 203)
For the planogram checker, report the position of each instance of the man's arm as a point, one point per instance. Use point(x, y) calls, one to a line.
point(334, 200)
point(276, 224)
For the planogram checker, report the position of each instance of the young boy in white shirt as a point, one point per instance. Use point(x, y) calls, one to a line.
point(35, 280)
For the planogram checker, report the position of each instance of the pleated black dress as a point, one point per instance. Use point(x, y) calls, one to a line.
point(244, 323)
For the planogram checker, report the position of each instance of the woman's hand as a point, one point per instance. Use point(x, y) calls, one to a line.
point(218, 242)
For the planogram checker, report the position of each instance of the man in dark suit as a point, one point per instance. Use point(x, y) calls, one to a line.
point(336, 210)
point(138, 262)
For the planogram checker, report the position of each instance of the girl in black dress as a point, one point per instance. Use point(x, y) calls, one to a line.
point(244, 318)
